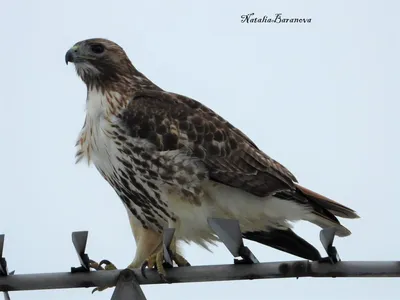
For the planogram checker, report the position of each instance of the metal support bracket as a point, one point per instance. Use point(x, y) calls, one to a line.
point(3, 265)
point(326, 237)
point(229, 233)
point(79, 239)
point(168, 235)
point(127, 287)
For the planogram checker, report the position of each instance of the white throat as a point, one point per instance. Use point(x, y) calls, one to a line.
point(96, 104)
point(101, 108)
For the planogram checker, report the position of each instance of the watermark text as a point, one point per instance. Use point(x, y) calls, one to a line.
point(277, 18)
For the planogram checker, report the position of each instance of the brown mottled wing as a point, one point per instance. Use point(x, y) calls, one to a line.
point(172, 122)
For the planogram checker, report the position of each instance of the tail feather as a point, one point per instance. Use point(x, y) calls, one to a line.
point(325, 210)
point(324, 221)
point(285, 240)
point(324, 213)
point(334, 207)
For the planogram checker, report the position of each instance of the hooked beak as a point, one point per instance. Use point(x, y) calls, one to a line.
point(71, 54)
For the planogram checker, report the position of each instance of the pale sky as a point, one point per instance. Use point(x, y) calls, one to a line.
point(321, 98)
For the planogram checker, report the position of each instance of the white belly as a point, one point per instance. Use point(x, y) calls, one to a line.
point(221, 201)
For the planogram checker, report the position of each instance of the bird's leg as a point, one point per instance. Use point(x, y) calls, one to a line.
point(147, 243)
point(156, 260)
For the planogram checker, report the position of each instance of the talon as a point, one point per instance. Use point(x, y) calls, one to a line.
point(104, 261)
point(181, 261)
point(99, 289)
point(143, 268)
point(95, 265)
point(108, 265)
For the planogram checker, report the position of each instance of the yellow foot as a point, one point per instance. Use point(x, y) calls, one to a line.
point(157, 261)
point(98, 267)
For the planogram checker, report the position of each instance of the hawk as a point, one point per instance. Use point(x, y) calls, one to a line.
point(175, 163)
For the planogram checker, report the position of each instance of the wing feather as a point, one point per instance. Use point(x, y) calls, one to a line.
point(175, 122)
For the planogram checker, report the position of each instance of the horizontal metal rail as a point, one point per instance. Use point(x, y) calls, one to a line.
point(203, 274)
point(246, 267)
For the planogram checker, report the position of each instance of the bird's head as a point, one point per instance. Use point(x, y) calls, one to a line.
point(100, 61)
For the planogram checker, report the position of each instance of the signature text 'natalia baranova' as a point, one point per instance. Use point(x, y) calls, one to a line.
point(277, 18)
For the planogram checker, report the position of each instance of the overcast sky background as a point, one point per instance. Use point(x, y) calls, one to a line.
point(321, 98)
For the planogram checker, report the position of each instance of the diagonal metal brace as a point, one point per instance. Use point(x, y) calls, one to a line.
point(127, 287)
point(3, 265)
point(229, 233)
point(326, 236)
point(79, 239)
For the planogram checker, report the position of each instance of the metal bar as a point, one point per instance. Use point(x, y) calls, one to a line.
point(326, 236)
point(6, 296)
point(168, 235)
point(128, 287)
point(3, 266)
point(205, 273)
point(3, 263)
point(79, 239)
point(228, 231)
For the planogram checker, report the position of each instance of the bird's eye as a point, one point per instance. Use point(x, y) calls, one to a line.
point(97, 48)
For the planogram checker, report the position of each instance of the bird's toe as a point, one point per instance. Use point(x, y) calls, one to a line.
point(99, 267)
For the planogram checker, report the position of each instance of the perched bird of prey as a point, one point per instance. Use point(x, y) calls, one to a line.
point(175, 163)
